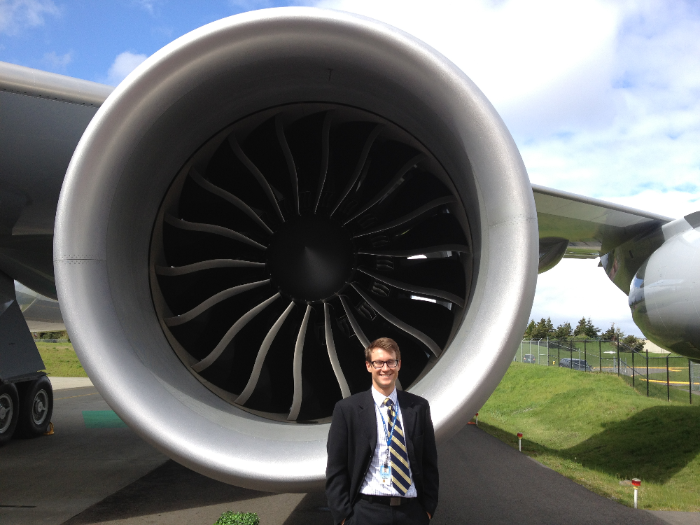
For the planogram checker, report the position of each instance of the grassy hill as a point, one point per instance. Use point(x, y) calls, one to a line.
point(597, 431)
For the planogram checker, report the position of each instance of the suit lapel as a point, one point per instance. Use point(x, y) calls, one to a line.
point(408, 414)
point(368, 419)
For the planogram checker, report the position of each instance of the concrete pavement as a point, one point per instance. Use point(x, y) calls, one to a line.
point(95, 470)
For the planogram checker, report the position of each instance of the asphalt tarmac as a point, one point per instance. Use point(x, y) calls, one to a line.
point(94, 470)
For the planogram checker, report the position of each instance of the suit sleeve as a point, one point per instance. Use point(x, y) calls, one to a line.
point(337, 472)
point(431, 478)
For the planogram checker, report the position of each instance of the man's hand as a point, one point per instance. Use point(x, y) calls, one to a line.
point(428, 513)
point(343, 522)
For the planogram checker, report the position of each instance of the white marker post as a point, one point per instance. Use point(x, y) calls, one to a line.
point(637, 483)
point(520, 441)
point(476, 419)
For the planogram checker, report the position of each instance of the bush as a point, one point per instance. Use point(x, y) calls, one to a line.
point(238, 518)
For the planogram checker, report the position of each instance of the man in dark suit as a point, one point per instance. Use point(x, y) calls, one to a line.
point(382, 459)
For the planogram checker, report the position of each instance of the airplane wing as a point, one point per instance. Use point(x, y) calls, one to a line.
point(578, 227)
point(42, 117)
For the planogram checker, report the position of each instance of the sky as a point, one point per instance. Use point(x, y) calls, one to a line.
point(601, 97)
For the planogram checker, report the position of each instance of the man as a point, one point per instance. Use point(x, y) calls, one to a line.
point(382, 459)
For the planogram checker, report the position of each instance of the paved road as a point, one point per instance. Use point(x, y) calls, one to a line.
point(102, 473)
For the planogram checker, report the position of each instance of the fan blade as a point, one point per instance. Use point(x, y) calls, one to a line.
point(172, 271)
point(442, 248)
point(410, 216)
point(396, 180)
point(296, 367)
point(355, 325)
point(257, 174)
point(427, 341)
point(216, 299)
point(260, 358)
point(430, 292)
point(238, 203)
point(281, 137)
point(325, 146)
point(332, 355)
point(237, 327)
point(211, 228)
point(360, 165)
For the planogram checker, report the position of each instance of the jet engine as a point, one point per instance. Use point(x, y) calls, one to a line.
point(258, 201)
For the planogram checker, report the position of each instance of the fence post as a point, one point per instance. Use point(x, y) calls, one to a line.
point(548, 351)
point(647, 372)
point(633, 369)
point(690, 385)
point(600, 355)
point(571, 355)
point(585, 353)
point(668, 380)
point(618, 357)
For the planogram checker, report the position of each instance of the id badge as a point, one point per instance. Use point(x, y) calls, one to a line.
point(385, 473)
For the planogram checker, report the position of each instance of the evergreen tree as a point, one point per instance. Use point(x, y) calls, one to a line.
point(543, 329)
point(563, 331)
point(549, 326)
point(580, 327)
point(591, 331)
point(529, 330)
point(613, 334)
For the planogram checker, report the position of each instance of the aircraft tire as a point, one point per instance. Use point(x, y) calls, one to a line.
point(9, 411)
point(35, 408)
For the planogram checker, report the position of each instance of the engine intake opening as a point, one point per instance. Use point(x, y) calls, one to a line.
point(281, 234)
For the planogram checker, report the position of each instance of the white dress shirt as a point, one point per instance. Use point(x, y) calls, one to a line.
point(372, 485)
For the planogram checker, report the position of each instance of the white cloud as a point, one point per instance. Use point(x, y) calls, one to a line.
point(15, 15)
point(148, 5)
point(57, 62)
point(124, 64)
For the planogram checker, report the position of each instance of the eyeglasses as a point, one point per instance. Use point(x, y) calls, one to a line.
point(391, 363)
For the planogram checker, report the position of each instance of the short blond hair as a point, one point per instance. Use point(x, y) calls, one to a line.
point(384, 343)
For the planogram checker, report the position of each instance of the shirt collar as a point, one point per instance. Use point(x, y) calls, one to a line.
point(379, 397)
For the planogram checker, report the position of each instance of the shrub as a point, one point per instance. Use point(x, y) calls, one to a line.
point(238, 518)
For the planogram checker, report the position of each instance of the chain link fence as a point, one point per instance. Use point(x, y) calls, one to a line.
point(666, 376)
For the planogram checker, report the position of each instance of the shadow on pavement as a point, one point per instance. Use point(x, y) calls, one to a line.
point(170, 487)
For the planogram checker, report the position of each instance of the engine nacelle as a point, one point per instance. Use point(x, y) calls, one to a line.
point(262, 197)
point(665, 293)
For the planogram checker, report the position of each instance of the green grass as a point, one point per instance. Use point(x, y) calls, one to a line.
point(60, 359)
point(597, 431)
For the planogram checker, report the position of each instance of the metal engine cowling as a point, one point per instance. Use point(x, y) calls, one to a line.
point(281, 185)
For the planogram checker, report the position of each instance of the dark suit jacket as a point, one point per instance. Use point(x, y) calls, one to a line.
point(351, 442)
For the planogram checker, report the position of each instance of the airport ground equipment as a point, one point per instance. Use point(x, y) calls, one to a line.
point(26, 397)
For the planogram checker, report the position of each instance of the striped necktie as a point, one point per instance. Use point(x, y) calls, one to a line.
point(400, 472)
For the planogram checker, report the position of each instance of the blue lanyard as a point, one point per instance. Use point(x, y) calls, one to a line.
point(384, 425)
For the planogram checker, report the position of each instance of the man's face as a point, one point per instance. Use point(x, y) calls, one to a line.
point(385, 377)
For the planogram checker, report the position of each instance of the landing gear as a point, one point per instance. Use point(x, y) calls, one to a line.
point(9, 411)
point(36, 407)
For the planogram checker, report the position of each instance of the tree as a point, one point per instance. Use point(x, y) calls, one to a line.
point(543, 329)
point(580, 327)
point(613, 334)
point(563, 331)
point(529, 330)
point(633, 343)
point(591, 331)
